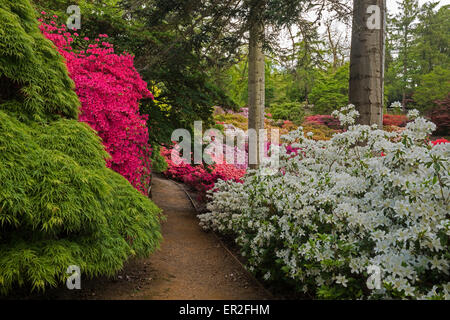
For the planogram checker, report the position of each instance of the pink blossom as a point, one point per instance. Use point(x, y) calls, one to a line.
point(109, 89)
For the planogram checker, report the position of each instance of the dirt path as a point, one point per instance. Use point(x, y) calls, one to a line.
point(191, 263)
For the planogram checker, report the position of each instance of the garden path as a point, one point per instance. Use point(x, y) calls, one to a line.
point(191, 264)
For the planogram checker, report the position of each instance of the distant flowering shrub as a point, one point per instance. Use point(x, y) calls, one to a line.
point(200, 177)
point(326, 120)
point(332, 122)
point(395, 120)
point(244, 112)
point(396, 105)
point(109, 88)
point(365, 198)
point(320, 132)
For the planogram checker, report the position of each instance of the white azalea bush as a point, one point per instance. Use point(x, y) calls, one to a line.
point(365, 198)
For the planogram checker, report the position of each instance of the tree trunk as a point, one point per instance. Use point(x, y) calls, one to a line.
point(256, 75)
point(405, 68)
point(367, 61)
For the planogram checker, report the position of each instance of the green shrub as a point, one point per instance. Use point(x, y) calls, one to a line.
point(293, 111)
point(159, 164)
point(330, 91)
point(433, 86)
point(59, 204)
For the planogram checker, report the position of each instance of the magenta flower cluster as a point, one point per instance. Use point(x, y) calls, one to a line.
point(199, 177)
point(109, 88)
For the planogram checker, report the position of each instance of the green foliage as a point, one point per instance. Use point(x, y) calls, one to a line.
point(330, 91)
point(293, 111)
point(417, 43)
point(432, 38)
point(402, 28)
point(22, 82)
point(234, 81)
point(433, 86)
point(59, 204)
point(159, 163)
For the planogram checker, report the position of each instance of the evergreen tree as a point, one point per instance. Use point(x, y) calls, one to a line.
point(403, 32)
point(432, 39)
point(330, 91)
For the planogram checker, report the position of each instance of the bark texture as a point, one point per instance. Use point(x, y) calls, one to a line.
point(367, 61)
point(256, 74)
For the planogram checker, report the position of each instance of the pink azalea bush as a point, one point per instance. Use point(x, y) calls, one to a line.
point(109, 88)
point(395, 120)
point(200, 177)
point(326, 120)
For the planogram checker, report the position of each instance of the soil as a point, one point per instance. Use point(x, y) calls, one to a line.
point(191, 264)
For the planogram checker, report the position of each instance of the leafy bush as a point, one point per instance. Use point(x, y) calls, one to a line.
point(237, 120)
point(339, 206)
point(320, 132)
point(59, 203)
point(109, 88)
point(433, 86)
point(330, 91)
point(293, 111)
point(159, 163)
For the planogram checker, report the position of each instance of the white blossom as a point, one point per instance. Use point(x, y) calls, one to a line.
point(339, 206)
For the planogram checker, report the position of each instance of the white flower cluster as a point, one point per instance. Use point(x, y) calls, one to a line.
point(413, 114)
point(347, 115)
point(365, 198)
point(396, 105)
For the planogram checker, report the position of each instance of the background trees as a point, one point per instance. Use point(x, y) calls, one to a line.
point(416, 66)
point(195, 53)
point(402, 29)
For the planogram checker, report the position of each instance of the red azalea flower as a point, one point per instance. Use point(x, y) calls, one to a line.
point(439, 141)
